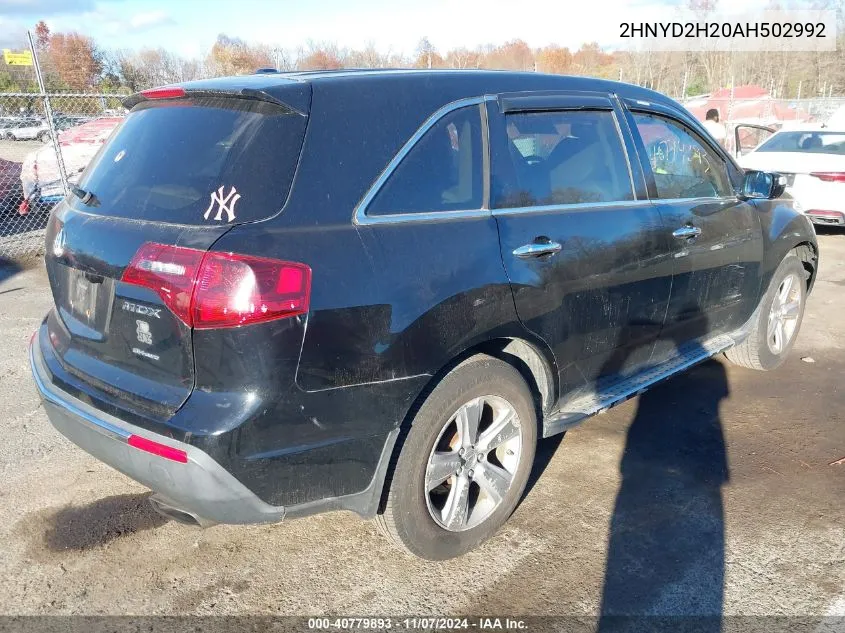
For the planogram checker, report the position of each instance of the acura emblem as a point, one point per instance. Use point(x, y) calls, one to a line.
point(59, 243)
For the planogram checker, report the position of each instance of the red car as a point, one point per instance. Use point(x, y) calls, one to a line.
point(39, 175)
point(11, 192)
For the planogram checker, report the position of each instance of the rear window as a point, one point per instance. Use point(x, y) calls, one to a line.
point(215, 160)
point(811, 142)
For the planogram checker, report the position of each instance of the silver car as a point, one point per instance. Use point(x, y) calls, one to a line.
point(24, 129)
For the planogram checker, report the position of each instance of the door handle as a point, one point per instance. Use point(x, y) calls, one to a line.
point(537, 249)
point(686, 232)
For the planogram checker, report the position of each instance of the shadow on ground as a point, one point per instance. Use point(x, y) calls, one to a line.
point(98, 523)
point(8, 269)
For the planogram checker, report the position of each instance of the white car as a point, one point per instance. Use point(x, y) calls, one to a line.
point(813, 161)
point(40, 178)
point(24, 128)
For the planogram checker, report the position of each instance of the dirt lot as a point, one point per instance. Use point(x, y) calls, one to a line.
point(730, 503)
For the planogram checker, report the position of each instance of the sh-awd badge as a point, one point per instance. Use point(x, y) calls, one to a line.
point(143, 332)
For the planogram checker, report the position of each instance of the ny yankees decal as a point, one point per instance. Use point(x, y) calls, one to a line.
point(224, 203)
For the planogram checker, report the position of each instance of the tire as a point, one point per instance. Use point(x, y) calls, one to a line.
point(494, 390)
point(44, 137)
point(759, 350)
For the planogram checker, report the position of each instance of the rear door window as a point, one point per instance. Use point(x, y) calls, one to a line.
point(557, 158)
point(683, 166)
point(206, 160)
point(441, 172)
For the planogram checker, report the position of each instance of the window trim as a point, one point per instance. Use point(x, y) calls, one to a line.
point(654, 110)
point(360, 216)
point(575, 206)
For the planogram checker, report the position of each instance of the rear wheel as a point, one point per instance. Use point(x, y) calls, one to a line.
point(778, 319)
point(464, 463)
point(44, 137)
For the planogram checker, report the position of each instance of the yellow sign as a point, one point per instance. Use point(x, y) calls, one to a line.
point(24, 58)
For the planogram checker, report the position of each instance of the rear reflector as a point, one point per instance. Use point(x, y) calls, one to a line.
point(163, 93)
point(217, 290)
point(829, 176)
point(162, 450)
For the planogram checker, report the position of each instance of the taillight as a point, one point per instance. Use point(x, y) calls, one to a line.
point(239, 290)
point(217, 290)
point(829, 176)
point(164, 93)
point(170, 271)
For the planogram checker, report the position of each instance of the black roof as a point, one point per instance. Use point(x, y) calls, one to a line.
point(470, 82)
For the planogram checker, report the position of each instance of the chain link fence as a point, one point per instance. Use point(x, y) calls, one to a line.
point(43, 150)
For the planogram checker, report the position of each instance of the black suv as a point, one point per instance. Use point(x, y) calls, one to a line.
point(374, 291)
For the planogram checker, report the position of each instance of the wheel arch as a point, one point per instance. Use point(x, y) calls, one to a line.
point(787, 231)
point(532, 359)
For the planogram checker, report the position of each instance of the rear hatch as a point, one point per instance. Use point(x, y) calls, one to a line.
point(125, 250)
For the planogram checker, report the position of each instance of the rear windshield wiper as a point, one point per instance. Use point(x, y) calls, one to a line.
point(87, 197)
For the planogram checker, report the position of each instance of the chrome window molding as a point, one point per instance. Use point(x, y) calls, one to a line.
point(702, 199)
point(626, 204)
point(575, 206)
point(359, 215)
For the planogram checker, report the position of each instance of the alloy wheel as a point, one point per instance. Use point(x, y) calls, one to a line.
point(783, 315)
point(473, 462)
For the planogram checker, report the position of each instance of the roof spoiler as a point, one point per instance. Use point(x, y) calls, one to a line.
point(177, 92)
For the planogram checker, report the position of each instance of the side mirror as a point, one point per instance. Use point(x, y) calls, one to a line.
point(763, 185)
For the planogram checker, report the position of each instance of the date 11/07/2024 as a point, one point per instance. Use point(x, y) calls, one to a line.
point(417, 623)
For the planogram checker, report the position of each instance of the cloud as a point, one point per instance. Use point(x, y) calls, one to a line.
point(148, 20)
point(12, 33)
point(110, 21)
point(44, 8)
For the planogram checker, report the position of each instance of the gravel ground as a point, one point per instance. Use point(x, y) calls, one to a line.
point(730, 503)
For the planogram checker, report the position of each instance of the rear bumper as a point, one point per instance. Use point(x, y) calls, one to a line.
point(201, 487)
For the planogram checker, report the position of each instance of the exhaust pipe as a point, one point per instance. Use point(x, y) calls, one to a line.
point(166, 508)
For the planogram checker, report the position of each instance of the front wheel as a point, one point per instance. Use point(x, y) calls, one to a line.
point(465, 462)
point(778, 319)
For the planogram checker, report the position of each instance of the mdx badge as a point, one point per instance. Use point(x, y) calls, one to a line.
point(142, 310)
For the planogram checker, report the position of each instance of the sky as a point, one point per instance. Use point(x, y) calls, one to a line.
point(189, 27)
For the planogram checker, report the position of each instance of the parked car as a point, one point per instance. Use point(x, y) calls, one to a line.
point(27, 129)
point(11, 193)
point(40, 176)
point(374, 291)
point(24, 128)
point(812, 160)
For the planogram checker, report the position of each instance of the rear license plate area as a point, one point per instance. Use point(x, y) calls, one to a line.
point(87, 302)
